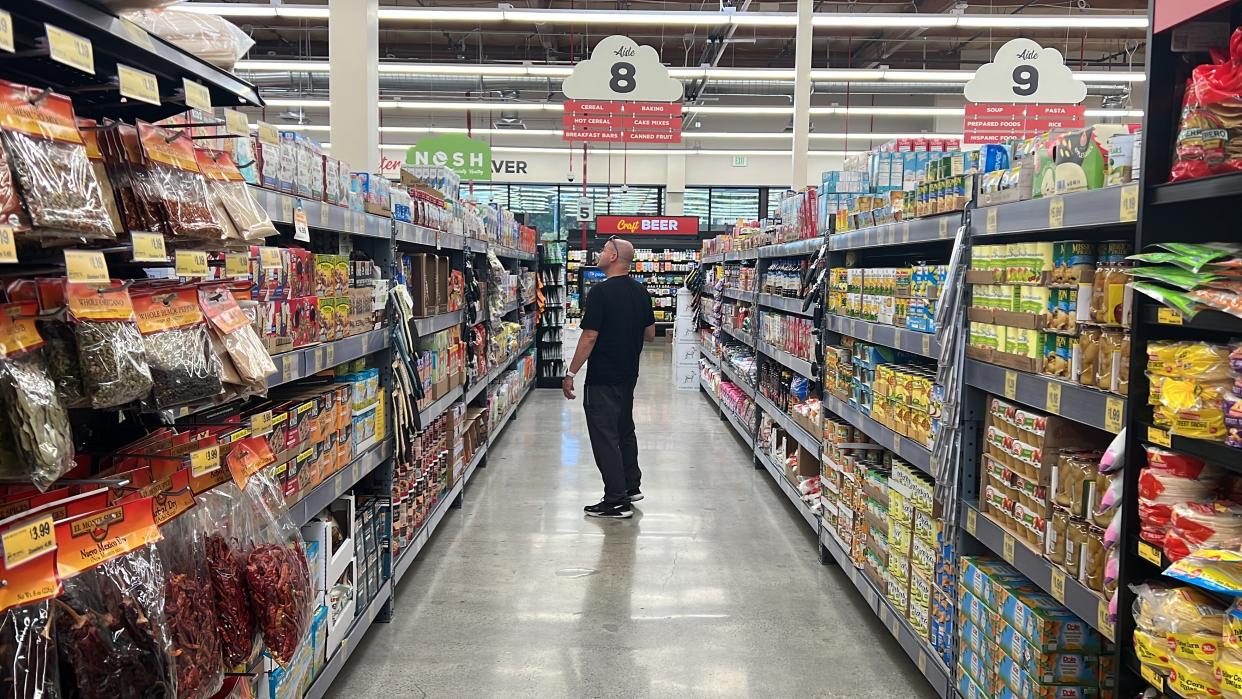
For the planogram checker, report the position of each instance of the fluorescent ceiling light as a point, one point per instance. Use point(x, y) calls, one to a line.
point(706, 135)
point(705, 18)
point(284, 102)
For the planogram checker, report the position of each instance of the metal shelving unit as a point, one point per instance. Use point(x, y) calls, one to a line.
point(1072, 401)
point(796, 248)
point(1090, 209)
point(787, 423)
point(912, 341)
point(795, 498)
point(337, 659)
point(784, 358)
point(341, 482)
point(784, 303)
point(918, 455)
point(920, 230)
point(737, 379)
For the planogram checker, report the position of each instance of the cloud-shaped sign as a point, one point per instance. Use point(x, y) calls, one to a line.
point(620, 69)
point(1024, 71)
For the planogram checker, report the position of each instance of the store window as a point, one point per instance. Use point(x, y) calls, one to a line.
point(538, 202)
point(729, 204)
point(774, 201)
point(634, 201)
point(697, 202)
point(487, 193)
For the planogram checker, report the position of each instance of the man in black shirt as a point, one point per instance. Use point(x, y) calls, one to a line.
point(616, 320)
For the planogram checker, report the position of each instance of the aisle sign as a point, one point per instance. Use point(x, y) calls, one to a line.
point(6, 32)
point(586, 209)
point(69, 48)
point(1026, 89)
point(138, 84)
point(622, 93)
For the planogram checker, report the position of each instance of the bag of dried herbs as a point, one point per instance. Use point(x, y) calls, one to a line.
point(32, 408)
point(90, 136)
point(111, 630)
point(174, 176)
point(183, 367)
point(189, 600)
point(128, 172)
point(58, 188)
point(277, 574)
point(233, 326)
point(60, 346)
point(110, 348)
point(230, 189)
point(27, 641)
point(232, 527)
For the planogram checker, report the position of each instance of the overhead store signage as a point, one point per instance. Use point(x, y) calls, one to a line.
point(622, 94)
point(468, 157)
point(1025, 90)
point(647, 225)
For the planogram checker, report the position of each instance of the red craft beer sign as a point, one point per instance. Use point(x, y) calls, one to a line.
point(646, 225)
point(989, 123)
point(622, 122)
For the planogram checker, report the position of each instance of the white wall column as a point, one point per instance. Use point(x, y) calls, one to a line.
point(675, 192)
point(353, 69)
point(802, 96)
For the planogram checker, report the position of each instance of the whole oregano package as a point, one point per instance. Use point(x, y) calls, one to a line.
point(110, 348)
point(184, 369)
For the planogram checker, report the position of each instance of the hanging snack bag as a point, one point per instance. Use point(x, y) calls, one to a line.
point(176, 180)
point(110, 349)
point(1209, 133)
point(277, 573)
point(112, 627)
point(183, 367)
point(39, 423)
point(229, 187)
point(231, 324)
point(27, 641)
point(54, 176)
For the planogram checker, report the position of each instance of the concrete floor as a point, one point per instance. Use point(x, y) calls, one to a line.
point(713, 589)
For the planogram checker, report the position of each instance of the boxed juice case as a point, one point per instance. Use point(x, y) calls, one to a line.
point(1048, 625)
point(1045, 667)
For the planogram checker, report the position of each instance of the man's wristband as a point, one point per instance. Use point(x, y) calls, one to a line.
point(570, 374)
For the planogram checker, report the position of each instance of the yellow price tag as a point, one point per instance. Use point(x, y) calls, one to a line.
point(236, 123)
point(289, 366)
point(69, 48)
point(261, 423)
point(268, 133)
point(8, 244)
point(1114, 414)
point(286, 209)
point(86, 267)
point(991, 228)
point(1052, 401)
point(6, 32)
point(905, 231)
point(1056, 212)
point(1168, 316)
point(204, 461)
point(1011, 384)
point(1151, 677)
point(138, 84)
point(1156, 435)
point(1149, 553)
point(893, 625)
point(868, 331)
point(236, 264)
point(137, 34)
point(196, 96)
point(323, 214)
point(329, 355)
point(1058, 585)
point(1007, 551)
point(192, 263)
point(896, 442)
point(922, 662)
point(148, 247)
point(972, 521)
point(269, 258)
point(1102, 622)
point(1129, 203)
point(944, 226)
point(28, 540)
point(926, 345)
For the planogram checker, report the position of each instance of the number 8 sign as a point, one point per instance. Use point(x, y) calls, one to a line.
point(620, 69)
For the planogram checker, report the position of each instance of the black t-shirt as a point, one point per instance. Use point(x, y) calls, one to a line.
point(619, 308)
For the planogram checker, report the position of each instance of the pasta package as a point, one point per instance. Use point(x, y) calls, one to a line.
point(59, 190)
point(176, 180)
point(229, 188)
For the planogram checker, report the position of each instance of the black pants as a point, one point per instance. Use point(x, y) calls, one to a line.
point(610, 422)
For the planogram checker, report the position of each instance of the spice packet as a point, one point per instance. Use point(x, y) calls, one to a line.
point(27, 643)
point(1177, 300)
point(232, 527)
point(1196, 256)
point(40, 434)
point(127, 168)
point(175, 179)
point(232, 326)
point(112, 625)
point(89, 129)
point(58, 187)
point(61, 346)
point(184, 369)
point(230, 190)
point(110, 348)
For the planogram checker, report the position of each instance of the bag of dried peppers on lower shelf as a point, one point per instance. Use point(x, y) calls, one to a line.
point(27, 599)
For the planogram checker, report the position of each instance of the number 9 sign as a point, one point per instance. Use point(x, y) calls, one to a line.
point(1025, 72)
point(1025, 80)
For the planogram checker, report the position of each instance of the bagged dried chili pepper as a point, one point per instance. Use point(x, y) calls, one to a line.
point(112, 634)
point(110, 348)
point(183, 367)
point(29, 402)
point(27, 642)
point(277, 574)
point(232, 525)
point(176, 180)
point(58, 187)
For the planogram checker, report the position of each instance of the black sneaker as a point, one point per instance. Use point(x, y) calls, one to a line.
point(635, 495)
point(607, 511)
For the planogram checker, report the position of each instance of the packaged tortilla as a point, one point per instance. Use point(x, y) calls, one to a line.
point(1209, 140)
point(229, 187)
point(110, 348)
point(27, 638)
point(112, 628)
point(1214, 569)
point(59, 191)
point(174, 333)
point(176, 180)
point(42, 436)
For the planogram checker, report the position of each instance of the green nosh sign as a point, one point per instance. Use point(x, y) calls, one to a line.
point(468, 157)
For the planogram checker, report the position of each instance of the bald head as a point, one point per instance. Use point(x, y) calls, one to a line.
point(616, 257)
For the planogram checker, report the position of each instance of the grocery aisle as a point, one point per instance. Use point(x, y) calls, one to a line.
point(713, 589)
